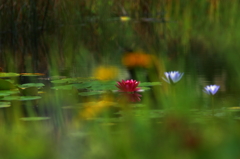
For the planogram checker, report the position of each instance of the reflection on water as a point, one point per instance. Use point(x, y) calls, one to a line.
point(130, 97)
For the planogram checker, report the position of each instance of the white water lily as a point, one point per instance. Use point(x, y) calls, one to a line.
point(211, 89)
point(172, 77)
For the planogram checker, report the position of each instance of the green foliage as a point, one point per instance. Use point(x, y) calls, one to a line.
point(79, 117)
point(7, 75)
point(20, 98)
point(26, 85)
point(6, 85)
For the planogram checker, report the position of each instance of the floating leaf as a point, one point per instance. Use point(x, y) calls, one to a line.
point(66, 80)
point(9, 92)
point(103, 85)
point(145, 84)
point(3, 95)
point(24, 98)
point(20, 98)
point(9, 74)
point(9, 80)
point(82, 85)
point(6, 85)
point(32, 85)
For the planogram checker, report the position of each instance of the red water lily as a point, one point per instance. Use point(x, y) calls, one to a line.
point(128, 85)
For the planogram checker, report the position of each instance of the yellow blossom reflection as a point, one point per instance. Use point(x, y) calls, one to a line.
point(92, 109)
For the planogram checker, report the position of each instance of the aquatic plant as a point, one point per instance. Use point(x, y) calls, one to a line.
point(128, 85)
point(211, 89)
point(173, 77)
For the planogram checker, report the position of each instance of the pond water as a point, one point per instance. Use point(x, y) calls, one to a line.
point(75, 53)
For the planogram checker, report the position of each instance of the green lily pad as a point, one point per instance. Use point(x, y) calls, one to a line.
point(97, 82)
point(9, 92)
point(32, 85)
point(9, 74)
point(146, 84)
point(103, 87)
point(89, 93)
point(4, 94)
point(10, 80)
point(20, 98)
point(82, 85)
point(6, 85)
point(66, 80)
point(91, 85)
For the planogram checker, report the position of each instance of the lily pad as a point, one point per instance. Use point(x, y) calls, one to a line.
point(6, 85)
point(3, 95)
point(20, 98)
point(103, 87)
point(31, 85)
point(65, 80)
point(82, 85)
point(9, 74)
point(9, 92)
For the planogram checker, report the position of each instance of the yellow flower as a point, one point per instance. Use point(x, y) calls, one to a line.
point(137, 59)
point(106, 73)
point(125, 18)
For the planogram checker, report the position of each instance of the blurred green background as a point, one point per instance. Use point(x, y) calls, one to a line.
point(70, 39)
